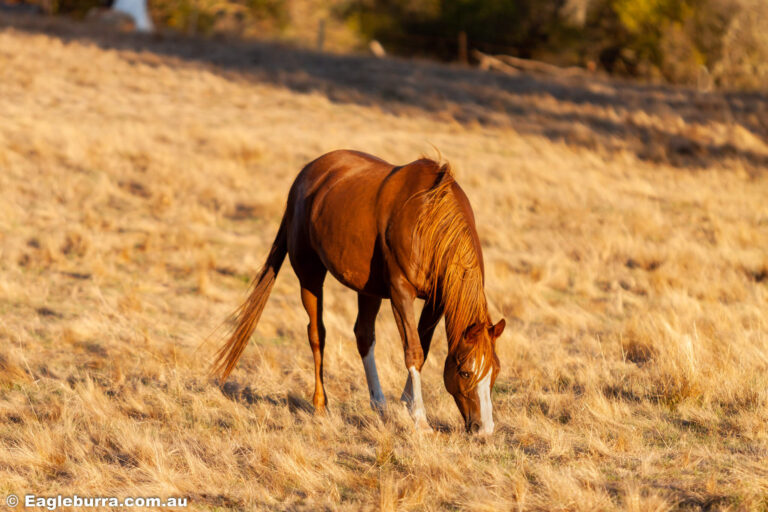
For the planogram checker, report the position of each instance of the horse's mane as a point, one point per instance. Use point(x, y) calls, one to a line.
point(448, 252)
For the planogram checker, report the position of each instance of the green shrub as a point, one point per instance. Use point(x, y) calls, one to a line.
point(744, 60)
point(205, 16)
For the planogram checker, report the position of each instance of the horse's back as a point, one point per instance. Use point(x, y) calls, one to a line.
point(341, 164)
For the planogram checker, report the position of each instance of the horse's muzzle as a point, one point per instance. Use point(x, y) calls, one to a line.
point(474, 427)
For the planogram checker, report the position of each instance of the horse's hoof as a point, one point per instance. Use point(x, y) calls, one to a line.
point(379, 407)
point(422, 426)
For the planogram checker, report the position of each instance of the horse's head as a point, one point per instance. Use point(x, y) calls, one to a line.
point(470, 372)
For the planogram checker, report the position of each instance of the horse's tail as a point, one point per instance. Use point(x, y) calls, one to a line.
point(247, 315)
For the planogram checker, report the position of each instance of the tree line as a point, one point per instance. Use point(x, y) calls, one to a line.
point(676, 41)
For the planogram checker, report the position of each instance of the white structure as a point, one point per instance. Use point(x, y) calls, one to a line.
point(136, 9)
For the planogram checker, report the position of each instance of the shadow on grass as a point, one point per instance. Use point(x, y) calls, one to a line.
point(296, 404)
point(592, 112)
point(247, 395)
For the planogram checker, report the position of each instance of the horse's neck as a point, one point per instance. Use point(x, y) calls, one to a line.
point(450, 248)
point(463, 311)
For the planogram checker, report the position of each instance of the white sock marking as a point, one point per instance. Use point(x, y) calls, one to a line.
point(372, 376)
point(486, 409)
point(407, 396)
point(416, 405)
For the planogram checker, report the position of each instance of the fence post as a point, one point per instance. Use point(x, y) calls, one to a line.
point(463, 47)
point(320, 34)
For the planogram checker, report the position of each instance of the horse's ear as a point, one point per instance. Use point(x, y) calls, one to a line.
point(496, 330)
point(473, 331)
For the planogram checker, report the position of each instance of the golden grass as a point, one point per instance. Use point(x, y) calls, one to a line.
point(139, 193)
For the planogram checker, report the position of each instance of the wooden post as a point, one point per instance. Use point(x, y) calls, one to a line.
point(463, 47)
point(321, 34)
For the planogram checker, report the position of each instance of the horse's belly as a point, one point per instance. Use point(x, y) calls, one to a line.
point(344, 235)
point(371, 284)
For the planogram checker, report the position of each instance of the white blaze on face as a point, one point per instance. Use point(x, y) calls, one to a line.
point(486, 409)
point(478, 366)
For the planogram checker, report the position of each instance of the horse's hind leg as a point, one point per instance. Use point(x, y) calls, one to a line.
point(367, 309)
point(312, 298)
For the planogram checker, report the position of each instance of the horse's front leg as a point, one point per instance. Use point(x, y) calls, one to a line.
point(402, 297)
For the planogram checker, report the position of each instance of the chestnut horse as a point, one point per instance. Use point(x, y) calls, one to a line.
point(387, 232)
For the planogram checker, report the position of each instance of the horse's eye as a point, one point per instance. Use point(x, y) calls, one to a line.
point(464, 375)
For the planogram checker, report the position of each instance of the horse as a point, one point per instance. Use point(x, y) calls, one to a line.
point(387, 232)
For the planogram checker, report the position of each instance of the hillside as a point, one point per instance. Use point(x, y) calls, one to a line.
point(142, 180)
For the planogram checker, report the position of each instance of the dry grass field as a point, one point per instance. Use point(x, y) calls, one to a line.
point(142, 180)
